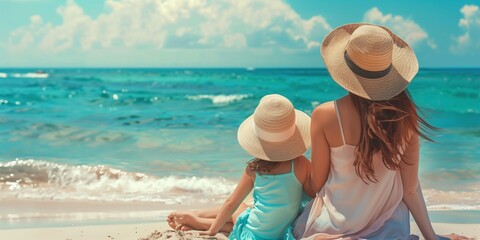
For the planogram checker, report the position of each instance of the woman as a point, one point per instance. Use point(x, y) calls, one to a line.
point(365, 146)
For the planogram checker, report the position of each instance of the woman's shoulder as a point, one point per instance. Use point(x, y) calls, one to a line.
point(329, 107)
point(325, 106)
point(324, 114)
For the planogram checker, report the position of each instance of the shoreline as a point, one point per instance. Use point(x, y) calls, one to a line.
point(62, 220)
point(31, 210)
point(22, 214)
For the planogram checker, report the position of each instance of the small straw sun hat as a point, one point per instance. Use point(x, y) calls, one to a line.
point(369, 61)
point(276, 131)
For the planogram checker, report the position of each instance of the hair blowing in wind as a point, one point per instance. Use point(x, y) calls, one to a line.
point(386, 128)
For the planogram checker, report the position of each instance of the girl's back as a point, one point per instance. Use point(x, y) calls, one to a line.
point(277, 135)
point(277, 199)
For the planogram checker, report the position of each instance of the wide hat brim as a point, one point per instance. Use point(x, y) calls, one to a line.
point(285, 150)
point(404, 66)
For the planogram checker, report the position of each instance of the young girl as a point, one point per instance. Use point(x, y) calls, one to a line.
point(276, 135)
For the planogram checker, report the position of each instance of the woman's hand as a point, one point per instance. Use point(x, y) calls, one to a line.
point(453, 236)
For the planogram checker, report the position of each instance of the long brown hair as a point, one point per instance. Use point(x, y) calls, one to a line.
point(386, 127)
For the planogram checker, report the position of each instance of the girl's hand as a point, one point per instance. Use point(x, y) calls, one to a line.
point(442, 238)
point(208, 232)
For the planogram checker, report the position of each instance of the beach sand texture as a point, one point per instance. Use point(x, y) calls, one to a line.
point(151, 231)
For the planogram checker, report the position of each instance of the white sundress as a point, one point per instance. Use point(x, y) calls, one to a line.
point(348, 208)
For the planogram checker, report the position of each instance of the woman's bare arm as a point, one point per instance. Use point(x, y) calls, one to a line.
point(412, 192)
point(320, 148)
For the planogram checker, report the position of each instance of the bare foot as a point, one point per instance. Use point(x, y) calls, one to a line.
point(183, 219)
point(186, 228)
point(170, 220)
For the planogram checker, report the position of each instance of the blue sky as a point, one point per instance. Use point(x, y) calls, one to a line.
point(223, 33)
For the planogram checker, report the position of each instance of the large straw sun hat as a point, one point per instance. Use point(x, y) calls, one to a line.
point(368, 60)
point(276, 131)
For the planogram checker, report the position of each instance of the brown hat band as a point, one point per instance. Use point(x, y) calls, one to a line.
point(365, 73)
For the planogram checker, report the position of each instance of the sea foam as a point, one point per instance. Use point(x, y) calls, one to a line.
point(452, 200)
point(36, 179)
point(220, 99)
point(30, 75)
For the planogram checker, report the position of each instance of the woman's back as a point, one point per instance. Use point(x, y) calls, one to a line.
point(350, 122)
point(365, 168)
point(349, 206)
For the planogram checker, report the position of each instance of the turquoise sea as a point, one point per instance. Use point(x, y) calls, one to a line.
point(165, 135)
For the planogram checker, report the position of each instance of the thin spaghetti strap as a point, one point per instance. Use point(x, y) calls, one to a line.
point(339, 121)
point(293, 166)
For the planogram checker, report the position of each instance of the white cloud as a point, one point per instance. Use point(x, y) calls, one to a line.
point(161, 24)
point(407, 29)
point(470, 23)
point(431, 44)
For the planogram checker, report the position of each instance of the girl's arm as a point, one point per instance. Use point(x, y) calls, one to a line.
point(320, 148)
point(412, 192)
point(231, 204)
point(303, 172)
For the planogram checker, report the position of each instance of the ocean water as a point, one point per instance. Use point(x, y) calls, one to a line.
point(169, 135)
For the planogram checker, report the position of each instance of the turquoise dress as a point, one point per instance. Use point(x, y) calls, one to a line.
point(277, 201)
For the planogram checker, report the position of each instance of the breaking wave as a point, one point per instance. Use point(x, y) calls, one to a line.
point(30, 75)
point(220, 99)
point(40, 180)
point(36, 179)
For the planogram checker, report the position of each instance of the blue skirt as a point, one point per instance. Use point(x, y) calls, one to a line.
point(241, 232)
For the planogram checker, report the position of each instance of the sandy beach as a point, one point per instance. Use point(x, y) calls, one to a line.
point(76, 220)
point(160, 230)
point(92, 220)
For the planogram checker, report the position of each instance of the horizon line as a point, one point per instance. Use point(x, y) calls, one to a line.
point(245, 68)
